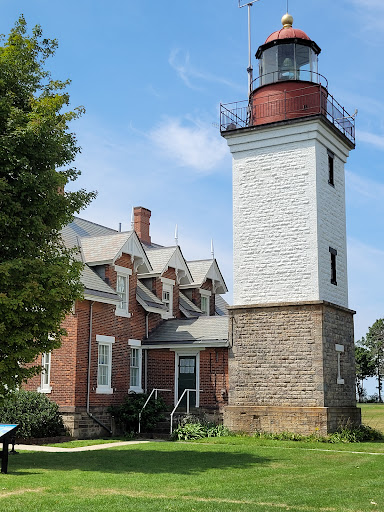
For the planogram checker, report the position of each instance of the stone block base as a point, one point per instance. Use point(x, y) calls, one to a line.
point(301, 420)
point(82, 426)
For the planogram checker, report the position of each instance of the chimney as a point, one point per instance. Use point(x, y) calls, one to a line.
point(141, 222)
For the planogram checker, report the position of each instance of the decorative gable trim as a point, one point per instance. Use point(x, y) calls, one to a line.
point(134, 248)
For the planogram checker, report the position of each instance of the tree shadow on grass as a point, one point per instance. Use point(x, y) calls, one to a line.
point(182, 462)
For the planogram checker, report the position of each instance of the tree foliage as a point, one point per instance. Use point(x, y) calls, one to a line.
point(365, 367)
point(374, 343)
point(39, 277)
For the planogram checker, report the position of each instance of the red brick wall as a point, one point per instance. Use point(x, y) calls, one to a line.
point(69, 363)
point(214, 377)
point(161, 372)
point(196, 296)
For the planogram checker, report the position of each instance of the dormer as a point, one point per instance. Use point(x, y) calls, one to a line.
point(115, 257)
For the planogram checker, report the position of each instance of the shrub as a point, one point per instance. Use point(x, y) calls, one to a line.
point(190, 429)
point(126, 415)
point(345, 434)
point(35, 414)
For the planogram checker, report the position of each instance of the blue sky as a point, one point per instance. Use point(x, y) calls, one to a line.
point(151, 76)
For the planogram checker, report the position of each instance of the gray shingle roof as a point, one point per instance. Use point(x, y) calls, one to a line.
point(199, 269)
point(204, 328)
point(71, 235)
point(187, 307)
point(103, 248)
point(149, 299)
point(221, 306)
point(92, 282)
point(82, 228)
point(159, 258)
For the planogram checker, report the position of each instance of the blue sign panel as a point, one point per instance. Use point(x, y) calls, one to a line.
point(5, 429)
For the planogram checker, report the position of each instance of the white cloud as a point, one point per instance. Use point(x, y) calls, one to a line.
point(371, 138)
point(188, 73)
point(365, 187)
point(198, 146)
point(370, 14)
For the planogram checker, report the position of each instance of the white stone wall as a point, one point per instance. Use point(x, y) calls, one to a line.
point(286, 215)
point(331, 225)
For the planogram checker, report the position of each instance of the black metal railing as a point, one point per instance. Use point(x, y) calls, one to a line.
point(301, 75)
point(306, 101)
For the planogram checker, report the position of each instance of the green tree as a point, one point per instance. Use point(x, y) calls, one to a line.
point(39, 277)
point(365, 367)
point(374, 342)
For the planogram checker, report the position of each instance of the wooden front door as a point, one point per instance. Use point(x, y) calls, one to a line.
point(187, 379)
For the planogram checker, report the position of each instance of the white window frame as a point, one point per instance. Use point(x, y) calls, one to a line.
point(207, 294)
point(135, 345)
point(340, 350)
point(168, 285)
point(45, 383)
point(105, 341)
point(123, 273)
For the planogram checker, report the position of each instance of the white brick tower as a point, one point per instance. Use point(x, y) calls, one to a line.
point(292, 361)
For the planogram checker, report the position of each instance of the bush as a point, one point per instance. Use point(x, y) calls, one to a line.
point(190, 429)
point(126, 415)
point(35, 414)
point(345, 434)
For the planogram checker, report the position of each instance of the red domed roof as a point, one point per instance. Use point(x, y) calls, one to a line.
point(288, 33)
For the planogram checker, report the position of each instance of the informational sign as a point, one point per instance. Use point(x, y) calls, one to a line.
point(6, 429)
point(6, 433)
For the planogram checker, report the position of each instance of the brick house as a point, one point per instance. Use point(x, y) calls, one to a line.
point(149, 319)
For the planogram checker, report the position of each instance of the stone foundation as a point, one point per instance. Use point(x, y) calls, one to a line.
point(291, 368)
point(301, 420)
point(81, 426)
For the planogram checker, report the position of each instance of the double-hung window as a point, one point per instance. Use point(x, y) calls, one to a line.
point(104, 364)
point(205, 300)
point(45, 386)
point(135, 366)
point(167, 295)
point(122, 290)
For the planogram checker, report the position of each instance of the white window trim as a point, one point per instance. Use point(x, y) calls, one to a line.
point(123, 272)
point(192, 353)
point(168, 288)
point(45, 388)
point(207, 294)
point(136, 344)
point(165, 280)
point(108, 341)
point(340, 350)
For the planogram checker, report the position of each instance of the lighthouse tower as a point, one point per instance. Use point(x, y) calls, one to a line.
point(291, 365)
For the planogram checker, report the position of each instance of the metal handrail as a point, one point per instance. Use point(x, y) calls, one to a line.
point(236, 115)
point(178, 403)
point(155, 390)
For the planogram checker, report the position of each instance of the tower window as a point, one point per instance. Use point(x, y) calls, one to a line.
point(333, 265)
point(331, 165)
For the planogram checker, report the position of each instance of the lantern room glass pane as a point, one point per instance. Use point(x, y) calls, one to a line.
point(268, 66)
point(286, 61)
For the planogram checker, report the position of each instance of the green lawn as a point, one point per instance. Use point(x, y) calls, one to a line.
point(373, 415)
point(227, 474)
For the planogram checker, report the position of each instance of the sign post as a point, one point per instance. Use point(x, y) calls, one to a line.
point(6, 433)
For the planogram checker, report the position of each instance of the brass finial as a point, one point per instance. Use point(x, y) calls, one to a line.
point(287, 21)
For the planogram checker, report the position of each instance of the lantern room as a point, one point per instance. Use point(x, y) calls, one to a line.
point(288, 87)
point(288, 54)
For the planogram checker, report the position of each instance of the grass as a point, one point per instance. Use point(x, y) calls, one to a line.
point(226, 474)
point(373, 415)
